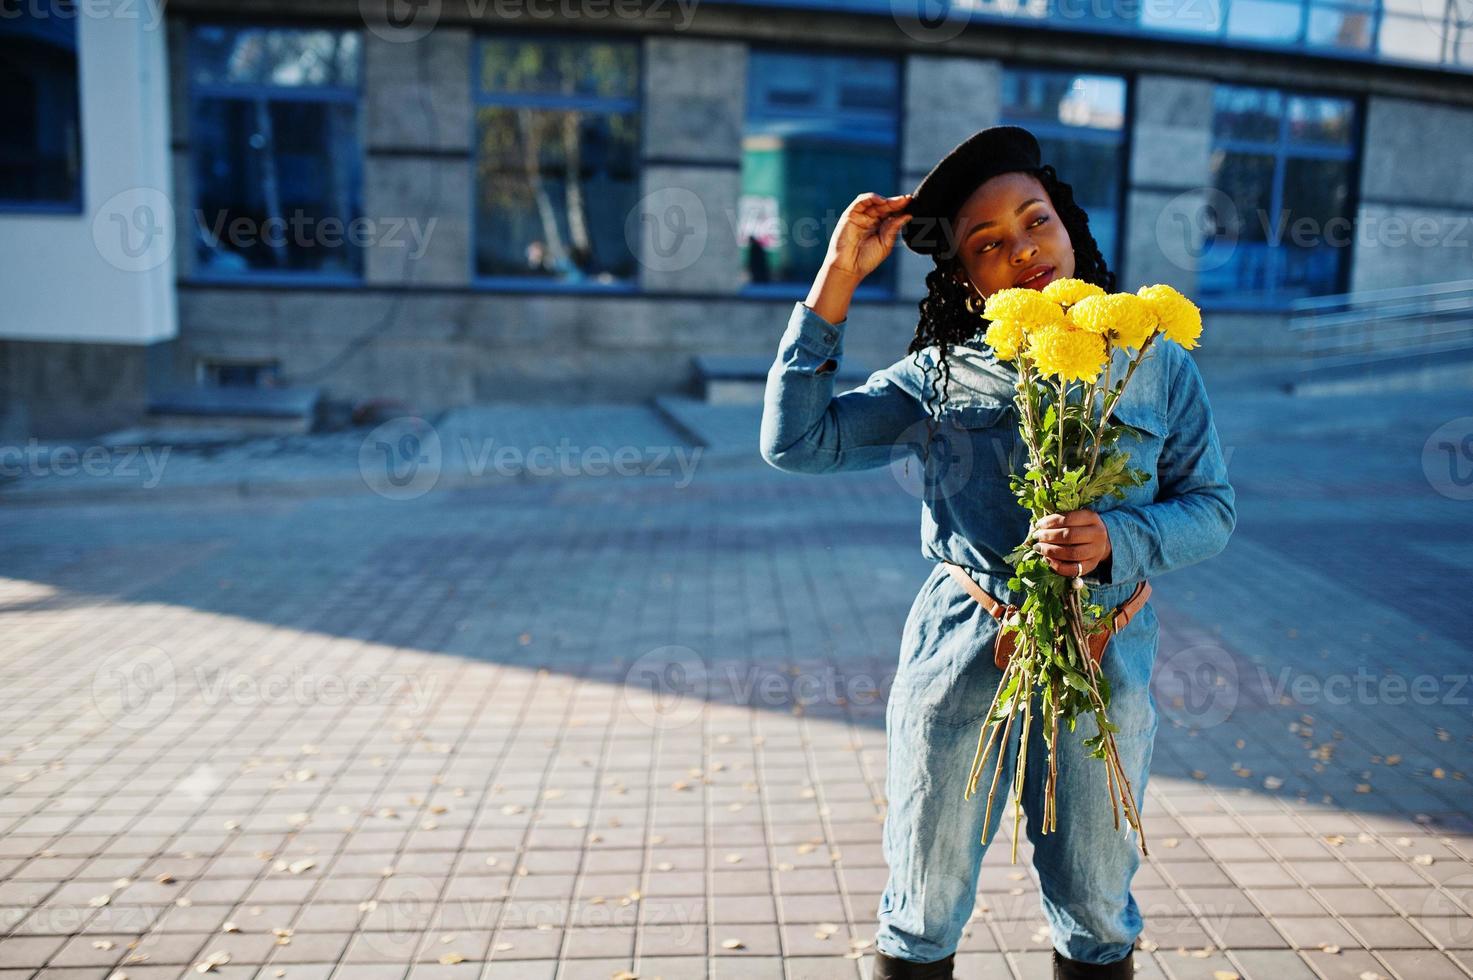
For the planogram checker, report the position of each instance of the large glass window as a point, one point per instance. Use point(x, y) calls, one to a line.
point(40, 138)
point(821, 129)
point(1282, 166)
point(275, 151)
point(1080, 124)
point(1438, 32)
point(557, 160)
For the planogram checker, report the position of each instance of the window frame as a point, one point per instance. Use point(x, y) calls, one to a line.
point(479, 100)
point(1052, 130)
point(76, 204)
point(1283, 149)
point(336, 94)
point(870, 292)
point(1214, 39)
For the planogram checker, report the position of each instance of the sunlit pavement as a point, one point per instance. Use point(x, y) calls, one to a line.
point(592, 723)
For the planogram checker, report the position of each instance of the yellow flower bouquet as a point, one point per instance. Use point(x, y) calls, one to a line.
point(1062, 338)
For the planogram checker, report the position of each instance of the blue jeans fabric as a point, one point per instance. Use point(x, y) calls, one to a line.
point(964, 437)
point(943, 687)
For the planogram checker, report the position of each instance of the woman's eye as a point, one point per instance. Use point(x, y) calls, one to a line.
point(1042, 218)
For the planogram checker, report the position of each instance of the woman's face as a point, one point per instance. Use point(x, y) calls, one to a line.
point(1008, 231)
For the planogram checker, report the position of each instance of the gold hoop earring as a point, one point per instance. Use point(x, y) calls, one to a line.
point(976, 303)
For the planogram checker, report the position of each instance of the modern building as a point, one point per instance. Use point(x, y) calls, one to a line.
point(448, 201)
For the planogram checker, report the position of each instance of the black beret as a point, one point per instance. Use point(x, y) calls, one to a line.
point(936, 199)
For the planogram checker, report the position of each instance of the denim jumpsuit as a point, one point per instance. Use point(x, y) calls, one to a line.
point(946, 678)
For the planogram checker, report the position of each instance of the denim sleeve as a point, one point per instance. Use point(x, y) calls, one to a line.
point(806, 428)
point(1195, 508)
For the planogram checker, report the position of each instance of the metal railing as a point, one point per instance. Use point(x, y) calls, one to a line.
point(1372, 324)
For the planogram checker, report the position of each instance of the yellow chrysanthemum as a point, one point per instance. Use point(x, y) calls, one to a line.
point(1180, 318)
point(1064, 352)
point(1067, 292)
point(1028, 308)
point(1126, 319)
point(1005, 338)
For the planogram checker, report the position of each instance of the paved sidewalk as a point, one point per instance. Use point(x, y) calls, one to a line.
point(486, 445)
point(360, 735)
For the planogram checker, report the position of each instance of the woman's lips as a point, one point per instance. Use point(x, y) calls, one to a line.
point(1039, 282)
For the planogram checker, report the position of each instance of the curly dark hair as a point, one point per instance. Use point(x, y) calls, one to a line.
point(951, 313)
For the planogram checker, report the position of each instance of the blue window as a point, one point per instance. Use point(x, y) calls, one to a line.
point(275, 152)
point(1080, 124)
point(1282, 169)
point(557, 161)
point(40, 138)
point(821, 129)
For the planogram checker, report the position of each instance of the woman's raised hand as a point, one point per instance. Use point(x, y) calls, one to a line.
point(866, 233)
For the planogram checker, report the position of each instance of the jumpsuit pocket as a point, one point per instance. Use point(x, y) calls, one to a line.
point(963, 446)
point(973, 678)
point(1144, 439)
point(975, 413)
point(947, 677)
point(1128, 664)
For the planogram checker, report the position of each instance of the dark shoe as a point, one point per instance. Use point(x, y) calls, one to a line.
point(1067, 969)
point(890, 968)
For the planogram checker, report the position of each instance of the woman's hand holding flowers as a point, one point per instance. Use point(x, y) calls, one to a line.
point(1074, 536)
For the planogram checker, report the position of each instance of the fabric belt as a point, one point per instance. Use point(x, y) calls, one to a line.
point(1116, 619)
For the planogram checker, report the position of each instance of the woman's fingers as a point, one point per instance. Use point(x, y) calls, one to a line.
point(1070, 552)
point(874, 203)
point(1070, 534)
point(1069, 569)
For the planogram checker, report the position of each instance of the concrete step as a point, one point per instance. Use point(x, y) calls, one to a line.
point(255, 411)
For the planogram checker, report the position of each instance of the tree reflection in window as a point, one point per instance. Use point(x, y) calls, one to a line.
point(557, 159)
